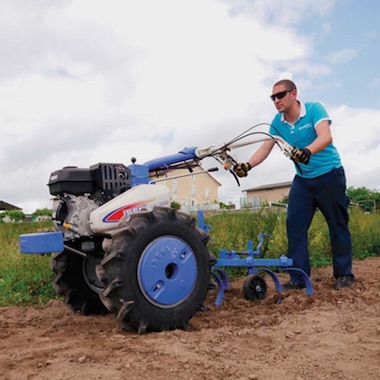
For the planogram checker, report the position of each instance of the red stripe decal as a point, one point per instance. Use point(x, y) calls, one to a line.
point(116, 215)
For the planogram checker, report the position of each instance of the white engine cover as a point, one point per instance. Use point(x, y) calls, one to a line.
point(106, 218)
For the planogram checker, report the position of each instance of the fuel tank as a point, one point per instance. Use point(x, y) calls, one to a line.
point(106, 218)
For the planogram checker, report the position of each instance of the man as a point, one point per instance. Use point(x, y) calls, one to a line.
point(319, 182)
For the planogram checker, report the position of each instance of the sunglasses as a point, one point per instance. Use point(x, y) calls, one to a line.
point(280, 95)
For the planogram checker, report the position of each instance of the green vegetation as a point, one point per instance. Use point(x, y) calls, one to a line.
point(175, 205)
point(27, 279)
point(368, 200)
point(41, 212)
point(15, 215)
point(23, 278)
point(232, 230)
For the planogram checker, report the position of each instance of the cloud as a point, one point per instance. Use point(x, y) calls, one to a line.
point(355, 135)
point(342, 56)
point(280, 11)
point(372, 35)
point(88, 81)
point(376, 83)
point(326, 28)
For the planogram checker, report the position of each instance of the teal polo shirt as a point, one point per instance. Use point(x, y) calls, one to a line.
point(302, 134)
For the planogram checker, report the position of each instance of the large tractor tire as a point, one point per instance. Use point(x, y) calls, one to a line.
point(156, 271)
point(76, 281)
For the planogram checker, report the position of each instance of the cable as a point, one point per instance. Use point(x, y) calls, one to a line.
point(247, 130)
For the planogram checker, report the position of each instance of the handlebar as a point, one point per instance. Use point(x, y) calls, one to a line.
point(215, 150)
point(190, 157)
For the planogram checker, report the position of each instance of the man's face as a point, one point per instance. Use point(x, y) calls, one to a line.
point(285, 98)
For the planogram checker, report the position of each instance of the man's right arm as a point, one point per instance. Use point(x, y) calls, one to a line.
point(242, 169)
point(262, 153)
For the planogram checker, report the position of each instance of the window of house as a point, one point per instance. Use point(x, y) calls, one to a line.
point(193, 189)
point(207, 192)
point(257, 202)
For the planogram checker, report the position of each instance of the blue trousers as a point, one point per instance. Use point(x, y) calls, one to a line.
point(328, 194)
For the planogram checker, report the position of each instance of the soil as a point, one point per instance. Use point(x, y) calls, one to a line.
point(331, 335)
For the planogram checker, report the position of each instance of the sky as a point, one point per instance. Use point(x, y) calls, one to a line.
point(90, 81)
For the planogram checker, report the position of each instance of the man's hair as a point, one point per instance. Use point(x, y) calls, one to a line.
point(290, 85)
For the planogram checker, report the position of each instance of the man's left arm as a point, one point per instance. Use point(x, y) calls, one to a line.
point(324, 137)
point(322, 140)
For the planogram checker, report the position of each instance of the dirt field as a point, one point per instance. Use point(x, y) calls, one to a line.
point(332, 335)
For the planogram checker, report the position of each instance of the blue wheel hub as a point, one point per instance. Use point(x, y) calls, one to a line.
point(167, 271)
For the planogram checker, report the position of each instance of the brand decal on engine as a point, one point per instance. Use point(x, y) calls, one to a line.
point(116, 215)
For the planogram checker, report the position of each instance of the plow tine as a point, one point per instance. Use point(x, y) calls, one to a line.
point(306, 278)
point(276, 281)
point(223, 277)
point(274, 278)
point(221, 282)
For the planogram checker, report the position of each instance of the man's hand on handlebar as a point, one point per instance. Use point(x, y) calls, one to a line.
point(242, 169)
point(301, 155)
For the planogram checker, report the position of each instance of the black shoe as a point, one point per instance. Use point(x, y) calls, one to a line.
point(291, 285)
point(343, 282)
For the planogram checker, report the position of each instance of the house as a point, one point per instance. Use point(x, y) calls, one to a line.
point(266, 194)
point(191, 190)
point(4, 206)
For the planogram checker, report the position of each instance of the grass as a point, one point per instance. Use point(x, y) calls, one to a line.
point(231, 231)
point(27, 279)
point(24, 279)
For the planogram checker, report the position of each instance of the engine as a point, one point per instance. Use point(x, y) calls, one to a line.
point(77, 192)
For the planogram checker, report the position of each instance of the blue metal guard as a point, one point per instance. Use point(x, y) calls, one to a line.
point(39, 243)
point(254, 265)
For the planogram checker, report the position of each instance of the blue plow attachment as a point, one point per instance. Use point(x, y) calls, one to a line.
point(254, 265)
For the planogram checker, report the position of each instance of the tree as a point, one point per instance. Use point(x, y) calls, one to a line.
point(42, 212)
point(365, 198)
point(368, 199)
point(13, 215)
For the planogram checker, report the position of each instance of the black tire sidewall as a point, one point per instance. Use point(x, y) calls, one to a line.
point(72, 285)
point(158, 317)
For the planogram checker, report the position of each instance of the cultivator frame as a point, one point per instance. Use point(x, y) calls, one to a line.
point(254, 287)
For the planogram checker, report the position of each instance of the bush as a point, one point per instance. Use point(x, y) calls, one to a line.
point(13, 215)
point(232, 231)
point(175, 205)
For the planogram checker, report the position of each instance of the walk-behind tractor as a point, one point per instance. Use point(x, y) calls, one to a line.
point(120, 248)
